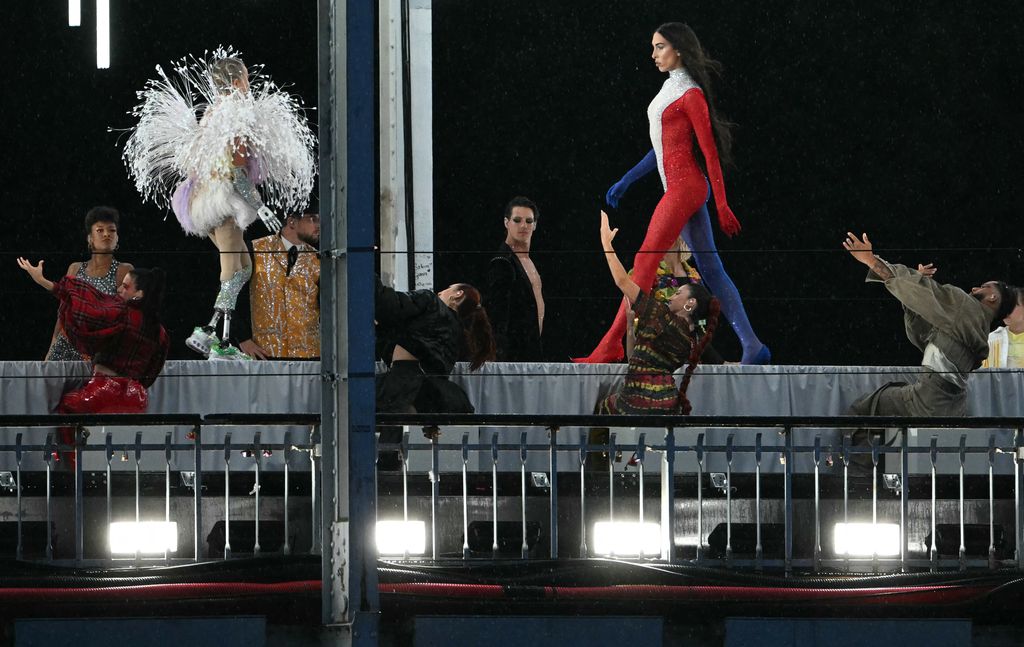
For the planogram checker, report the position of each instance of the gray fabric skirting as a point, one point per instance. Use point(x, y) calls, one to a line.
point(294, 387)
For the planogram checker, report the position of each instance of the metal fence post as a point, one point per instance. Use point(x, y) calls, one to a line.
point(434, 433)
point(17, 458)
point(138, 490)
point(788, 498)
point(465, 495)
point(700, 494)
point(258, 456)
point(167, 488)
point(1018, 456)
point(109, 455)
point(197, 490)
point(287, 548)
point(49, 453)
point(522, 459)
point(583, 507)
point(728, 499)
point(933, 551)
point(817, 503)
point(79, 494)
point(641, 450)
point(227, 495)
point(963, 459)
point(494, 492)
point(904, 496)
point(668, 499)
point(991, 503)
point(758, 548)
point(553, 489)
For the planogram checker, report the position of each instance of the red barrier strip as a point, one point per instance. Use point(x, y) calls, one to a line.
point(940, 594)
point(159, 591)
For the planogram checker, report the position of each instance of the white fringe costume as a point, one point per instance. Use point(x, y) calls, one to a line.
point(180, 153)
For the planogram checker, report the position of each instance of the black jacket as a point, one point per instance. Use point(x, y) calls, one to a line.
point(422, 324)
point(512, 309)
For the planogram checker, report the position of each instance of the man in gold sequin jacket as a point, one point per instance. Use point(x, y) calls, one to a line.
point(284, 294)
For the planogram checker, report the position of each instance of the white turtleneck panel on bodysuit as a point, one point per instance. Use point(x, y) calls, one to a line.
point(676, 85)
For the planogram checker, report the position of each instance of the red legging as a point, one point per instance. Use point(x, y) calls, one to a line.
point(102, 394)
point(677, 205)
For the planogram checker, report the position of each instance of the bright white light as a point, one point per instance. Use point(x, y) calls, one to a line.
point(867, 539)
point(626, 539)
point(146, 537)
point(74, 13)
point(102, 34)
point(401, 537)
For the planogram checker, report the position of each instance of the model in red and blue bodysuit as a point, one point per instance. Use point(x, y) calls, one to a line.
point(678, 114)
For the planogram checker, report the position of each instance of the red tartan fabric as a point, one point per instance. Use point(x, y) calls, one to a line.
point(110, 330)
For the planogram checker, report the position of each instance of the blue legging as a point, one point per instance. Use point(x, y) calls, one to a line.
point(701, 241)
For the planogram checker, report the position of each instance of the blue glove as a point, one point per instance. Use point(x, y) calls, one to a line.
point(646, 165)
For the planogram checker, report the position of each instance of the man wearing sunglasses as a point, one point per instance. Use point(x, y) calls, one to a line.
point(515, 297)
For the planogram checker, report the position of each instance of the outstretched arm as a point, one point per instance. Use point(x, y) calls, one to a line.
point(647, 165)
point(245, 187)
point(622, 280)
point(36, 272)
point(942, 306)
point(696, 108)
point(861, 249)
point(393, 308)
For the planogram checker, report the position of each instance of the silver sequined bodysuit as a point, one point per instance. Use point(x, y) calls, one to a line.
point(62, 349)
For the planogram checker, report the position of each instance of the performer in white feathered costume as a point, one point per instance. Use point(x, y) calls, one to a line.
point(207, 168)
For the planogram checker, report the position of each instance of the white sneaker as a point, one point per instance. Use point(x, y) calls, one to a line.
point(220, 351)
point(202, 340)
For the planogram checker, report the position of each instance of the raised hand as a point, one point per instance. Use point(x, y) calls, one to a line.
point(35, 271)
point(269, 219)
point(928, 270)
point(607, 233)
point(859, 248)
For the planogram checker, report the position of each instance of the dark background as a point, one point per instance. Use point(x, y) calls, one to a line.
point(903, 122)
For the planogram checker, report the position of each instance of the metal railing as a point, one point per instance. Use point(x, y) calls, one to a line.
point(67, 460)
point(831, 455)
point(692, 497)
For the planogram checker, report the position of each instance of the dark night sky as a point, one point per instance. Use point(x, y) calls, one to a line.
point(901, 121)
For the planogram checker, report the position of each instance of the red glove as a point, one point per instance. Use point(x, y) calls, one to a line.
point(728, 222)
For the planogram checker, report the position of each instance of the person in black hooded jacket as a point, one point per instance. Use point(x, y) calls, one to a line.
point(420, 335)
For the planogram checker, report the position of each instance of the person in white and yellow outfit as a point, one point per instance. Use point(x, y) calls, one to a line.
point(1006, 343)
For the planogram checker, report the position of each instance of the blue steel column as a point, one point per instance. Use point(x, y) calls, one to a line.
point(348, 163)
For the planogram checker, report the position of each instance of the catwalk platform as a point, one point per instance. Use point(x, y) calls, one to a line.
point(200, 387)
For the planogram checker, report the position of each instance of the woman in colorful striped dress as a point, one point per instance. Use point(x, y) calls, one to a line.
point(668, 336)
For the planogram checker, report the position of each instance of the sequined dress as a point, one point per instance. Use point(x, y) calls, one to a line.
point(62, 350)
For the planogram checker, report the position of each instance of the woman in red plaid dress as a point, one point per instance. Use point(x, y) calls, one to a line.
point(121, 333)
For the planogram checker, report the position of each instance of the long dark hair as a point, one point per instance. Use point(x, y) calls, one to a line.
point(700, 66)
point(151, 282)
point(479, 338)
point(705, 321)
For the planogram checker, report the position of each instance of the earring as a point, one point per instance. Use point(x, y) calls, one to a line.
point(687, 307)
